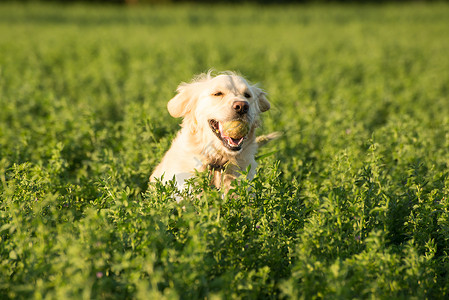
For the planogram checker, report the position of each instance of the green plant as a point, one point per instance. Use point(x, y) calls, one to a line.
point(351, 202)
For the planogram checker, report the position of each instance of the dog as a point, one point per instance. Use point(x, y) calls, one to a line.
point(206, 105)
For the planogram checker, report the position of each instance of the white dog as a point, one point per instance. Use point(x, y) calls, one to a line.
point(206, 104)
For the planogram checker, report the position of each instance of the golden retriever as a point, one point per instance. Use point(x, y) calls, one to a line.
point(206, 104)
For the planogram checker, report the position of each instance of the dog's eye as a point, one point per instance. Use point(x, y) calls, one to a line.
point(247, 95)
point(218, 94)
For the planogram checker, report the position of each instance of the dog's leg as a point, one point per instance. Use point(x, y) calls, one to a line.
point(263, 139)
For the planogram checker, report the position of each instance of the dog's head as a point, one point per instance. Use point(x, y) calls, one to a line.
point(210, 105)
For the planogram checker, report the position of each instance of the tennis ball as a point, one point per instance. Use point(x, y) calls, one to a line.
point(236, 129)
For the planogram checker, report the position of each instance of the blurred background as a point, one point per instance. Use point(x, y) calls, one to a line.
point(351, 202)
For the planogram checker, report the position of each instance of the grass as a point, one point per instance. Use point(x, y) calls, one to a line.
point(352, 202)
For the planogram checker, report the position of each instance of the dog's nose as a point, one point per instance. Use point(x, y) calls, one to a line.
point(240, 107)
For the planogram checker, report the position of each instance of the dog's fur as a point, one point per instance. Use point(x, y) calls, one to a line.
point(197, 146)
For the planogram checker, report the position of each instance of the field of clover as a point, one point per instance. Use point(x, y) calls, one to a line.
point(351, 202)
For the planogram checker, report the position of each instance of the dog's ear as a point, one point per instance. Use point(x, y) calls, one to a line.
point(262, 100)
point(183, 102)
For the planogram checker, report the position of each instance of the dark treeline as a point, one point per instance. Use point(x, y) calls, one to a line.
point(133, 2)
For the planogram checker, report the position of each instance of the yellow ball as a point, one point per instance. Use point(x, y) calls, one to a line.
point(236, 129)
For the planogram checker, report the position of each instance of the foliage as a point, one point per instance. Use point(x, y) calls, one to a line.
point(352, 201)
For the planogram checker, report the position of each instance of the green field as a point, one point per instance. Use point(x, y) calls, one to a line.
point(352, 201)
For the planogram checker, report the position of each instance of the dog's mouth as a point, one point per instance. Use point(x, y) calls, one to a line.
point(231, 140)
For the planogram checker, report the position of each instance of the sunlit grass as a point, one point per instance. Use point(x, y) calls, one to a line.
point(351, 202)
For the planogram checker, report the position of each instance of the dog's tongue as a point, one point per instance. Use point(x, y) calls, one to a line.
point(234, 142)
point(231, 141)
